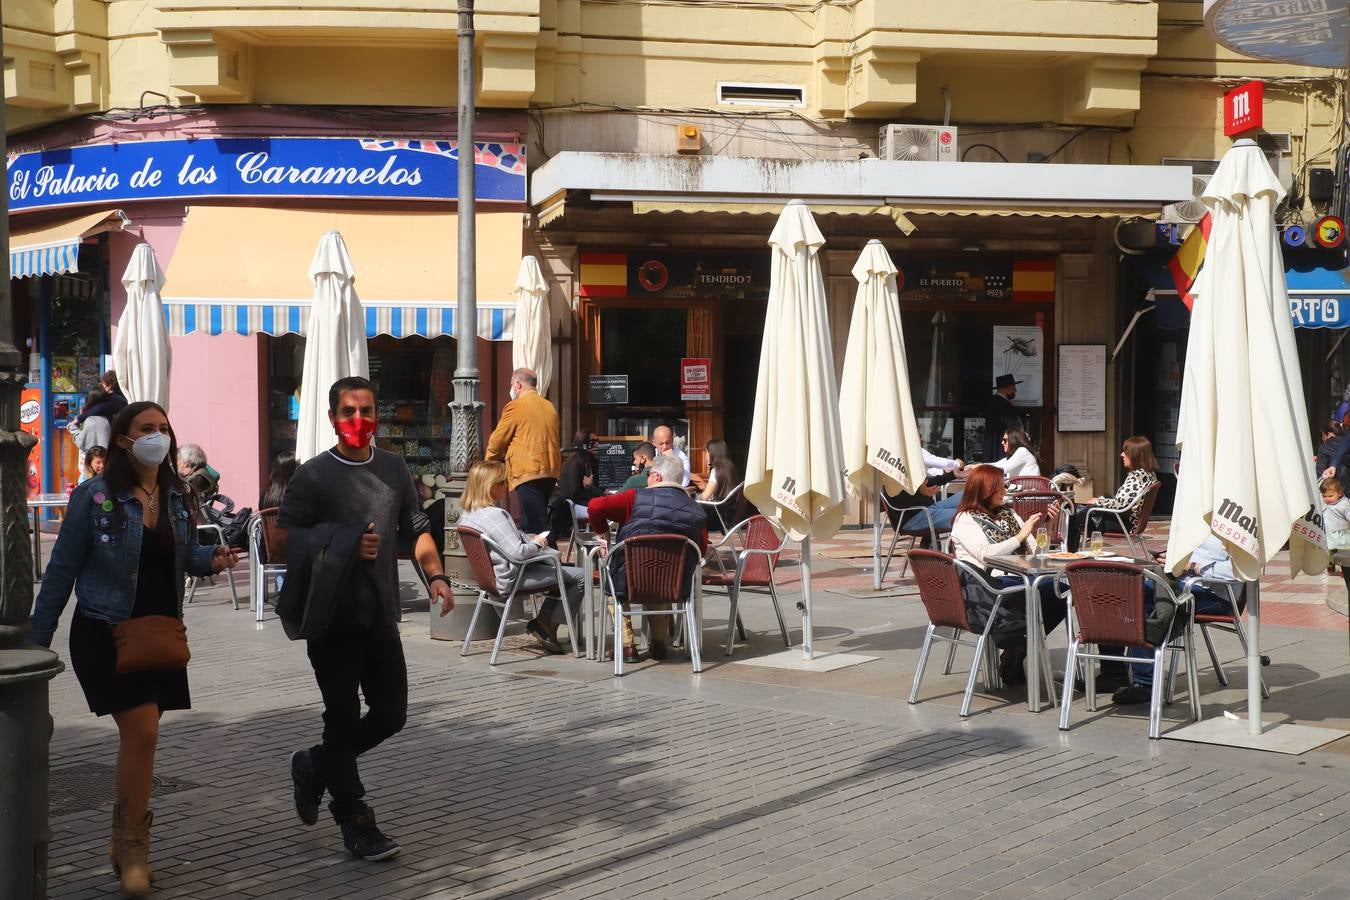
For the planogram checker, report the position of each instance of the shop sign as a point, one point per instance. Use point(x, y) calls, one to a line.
point(1327, 233)
point(362, 168)
point(1320, 310)
point(675, 275)
point(603, 390)
point(1242, 108)
point(695, 378)
point(975, 279)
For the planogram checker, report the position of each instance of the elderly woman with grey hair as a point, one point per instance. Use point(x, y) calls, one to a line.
point(192, 466)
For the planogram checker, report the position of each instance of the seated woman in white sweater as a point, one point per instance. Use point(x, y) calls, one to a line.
point(1019, 457)
point(984, 528)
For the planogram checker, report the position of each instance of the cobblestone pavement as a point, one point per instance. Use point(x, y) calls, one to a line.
point(531, 785)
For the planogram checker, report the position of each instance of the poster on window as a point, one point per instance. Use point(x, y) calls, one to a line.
point(1019, 351)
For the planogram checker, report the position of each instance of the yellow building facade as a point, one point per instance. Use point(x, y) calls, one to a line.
point(1028, 84)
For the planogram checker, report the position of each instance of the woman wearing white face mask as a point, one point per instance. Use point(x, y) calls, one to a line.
point(126, 542)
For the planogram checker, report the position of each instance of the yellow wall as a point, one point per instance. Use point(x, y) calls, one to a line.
point(1146, 76)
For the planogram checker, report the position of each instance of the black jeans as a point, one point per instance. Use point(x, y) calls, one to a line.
point(371, 660)
point(533, 497)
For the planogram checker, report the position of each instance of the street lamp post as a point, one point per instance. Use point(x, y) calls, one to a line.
point(25, 721)
point(466, 410)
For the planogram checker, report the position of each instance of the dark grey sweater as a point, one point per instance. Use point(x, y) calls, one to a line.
point(328, 488)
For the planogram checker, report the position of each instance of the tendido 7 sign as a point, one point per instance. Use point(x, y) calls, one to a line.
point(365, 168)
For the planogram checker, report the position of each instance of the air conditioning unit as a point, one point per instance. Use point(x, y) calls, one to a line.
point(1194, 209)
point(918, 143)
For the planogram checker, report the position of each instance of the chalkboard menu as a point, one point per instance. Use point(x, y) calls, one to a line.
point(615, 465)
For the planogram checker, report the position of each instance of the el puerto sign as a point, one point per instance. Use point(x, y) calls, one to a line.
point(364, 168)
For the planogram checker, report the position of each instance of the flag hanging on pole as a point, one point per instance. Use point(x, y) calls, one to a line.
point(1185, 265)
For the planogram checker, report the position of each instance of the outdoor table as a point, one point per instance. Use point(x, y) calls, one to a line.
point(35, 504)
point(1034, 570)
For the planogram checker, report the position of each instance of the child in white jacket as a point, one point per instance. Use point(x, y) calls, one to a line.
point(1336, 520)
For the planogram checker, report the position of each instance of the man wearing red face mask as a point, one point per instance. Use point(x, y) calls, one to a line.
point(356, 482)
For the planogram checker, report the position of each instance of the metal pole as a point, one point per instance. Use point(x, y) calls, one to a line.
point(466, 411)
point(808, 646)
point(25, 722)
point(1254, 723)
point(876, 530)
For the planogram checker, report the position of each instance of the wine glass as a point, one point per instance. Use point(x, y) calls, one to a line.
point(1095, 544)
point(1042, 540)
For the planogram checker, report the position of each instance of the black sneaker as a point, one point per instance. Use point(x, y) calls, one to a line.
point(363, 840)
point(308, 786)
point(1133, 695)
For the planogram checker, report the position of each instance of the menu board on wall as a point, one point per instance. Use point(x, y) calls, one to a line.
point(1082, 387)
point(615, 465)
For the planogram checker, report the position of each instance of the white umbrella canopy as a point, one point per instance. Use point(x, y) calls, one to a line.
point(532, 341)
point(335, 343)
point(880, 434)
point(794, 468)
point(141, 354)
point(1246, 473)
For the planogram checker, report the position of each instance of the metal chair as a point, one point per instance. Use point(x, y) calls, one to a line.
point(722, 513)
point(1136, 530)
point(942, 592)
point(1037, 483)
point(1231, 623)
point(1107, 601)
point(229, 573)
point(581, 539)
point(753, 570)
point(897, 516)
point(1030, 503)
point(655, 568)
point(479, 549)
point(266, 557)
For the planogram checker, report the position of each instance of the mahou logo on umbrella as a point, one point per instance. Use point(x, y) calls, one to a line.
point(1234, 524)
point(889, 464)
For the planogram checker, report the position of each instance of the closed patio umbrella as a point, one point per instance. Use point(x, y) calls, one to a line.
point(335, 343)
point(794, 469)
point(532, 343)
point(141, 355)
point(880, 435)
point(1246, 471)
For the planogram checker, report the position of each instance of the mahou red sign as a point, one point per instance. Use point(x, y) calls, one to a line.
point(1242, 108)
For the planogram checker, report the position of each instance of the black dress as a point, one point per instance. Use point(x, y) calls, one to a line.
point(91, 643)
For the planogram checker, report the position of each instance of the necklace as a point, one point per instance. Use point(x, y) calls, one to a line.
point(152, 498)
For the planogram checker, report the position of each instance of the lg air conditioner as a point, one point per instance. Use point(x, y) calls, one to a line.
point(918, 143)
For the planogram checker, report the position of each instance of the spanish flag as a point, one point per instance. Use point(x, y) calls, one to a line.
point(1185, 266)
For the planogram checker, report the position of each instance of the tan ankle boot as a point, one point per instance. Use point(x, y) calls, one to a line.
point(129, 851)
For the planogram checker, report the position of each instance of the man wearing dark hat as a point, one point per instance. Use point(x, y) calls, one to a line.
point(999, 413)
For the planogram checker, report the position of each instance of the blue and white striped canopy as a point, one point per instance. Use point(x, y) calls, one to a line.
point(185, 317)
point(48, 259)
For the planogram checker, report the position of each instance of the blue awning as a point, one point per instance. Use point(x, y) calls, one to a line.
point(495, 323)
point(53, 248)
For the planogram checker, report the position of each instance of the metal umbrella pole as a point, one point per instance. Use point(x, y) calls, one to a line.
point(25, 670)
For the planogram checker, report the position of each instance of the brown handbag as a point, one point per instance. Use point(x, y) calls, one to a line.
point(151, 644)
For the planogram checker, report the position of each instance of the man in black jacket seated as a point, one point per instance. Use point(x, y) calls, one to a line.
point(657, 511)
point(355, 482)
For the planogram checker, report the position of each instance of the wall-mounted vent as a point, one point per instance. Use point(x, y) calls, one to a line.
point(1275, 142)
point(739, 93)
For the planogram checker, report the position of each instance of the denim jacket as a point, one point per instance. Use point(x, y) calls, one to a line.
point(98, 553)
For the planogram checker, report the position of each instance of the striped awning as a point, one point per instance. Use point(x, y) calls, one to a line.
point(399, 320)
point(242, 270)
point(53, 248)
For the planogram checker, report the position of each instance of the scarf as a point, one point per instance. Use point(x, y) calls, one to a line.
point(999, 526)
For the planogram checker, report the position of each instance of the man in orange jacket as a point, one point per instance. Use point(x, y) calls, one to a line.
point(529, 440)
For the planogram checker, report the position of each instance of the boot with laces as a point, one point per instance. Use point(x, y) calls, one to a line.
point(129, 851)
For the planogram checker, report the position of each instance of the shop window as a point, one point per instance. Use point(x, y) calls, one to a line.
point(647, 346)
point(413, 379)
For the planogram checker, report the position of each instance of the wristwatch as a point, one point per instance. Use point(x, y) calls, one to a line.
point(441, 577)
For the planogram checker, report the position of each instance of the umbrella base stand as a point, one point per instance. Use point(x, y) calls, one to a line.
point(793, 659)
point(1275, 736)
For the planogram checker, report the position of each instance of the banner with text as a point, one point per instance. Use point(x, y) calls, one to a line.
point(365, 168)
